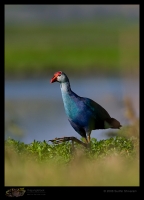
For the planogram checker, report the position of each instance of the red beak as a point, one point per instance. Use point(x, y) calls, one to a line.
point(54, 79)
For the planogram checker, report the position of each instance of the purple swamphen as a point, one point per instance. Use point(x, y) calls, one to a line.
point(83, 113)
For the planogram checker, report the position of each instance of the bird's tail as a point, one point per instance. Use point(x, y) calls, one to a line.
point(113, 123)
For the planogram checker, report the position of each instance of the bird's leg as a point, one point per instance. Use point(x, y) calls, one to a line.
point(86, 140)
point(88, 136)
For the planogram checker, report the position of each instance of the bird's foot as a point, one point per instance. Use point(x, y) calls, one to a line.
point(64, 139)
point(60, 140)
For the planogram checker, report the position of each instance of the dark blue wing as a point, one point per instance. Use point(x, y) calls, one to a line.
point(97, 110)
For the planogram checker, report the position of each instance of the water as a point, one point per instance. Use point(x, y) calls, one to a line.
point(34, 108)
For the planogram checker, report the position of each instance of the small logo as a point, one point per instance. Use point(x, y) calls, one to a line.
point(15, 192)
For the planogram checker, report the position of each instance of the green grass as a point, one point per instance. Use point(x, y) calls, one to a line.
point(43, 151)
point(99, 45)
point(111, 162)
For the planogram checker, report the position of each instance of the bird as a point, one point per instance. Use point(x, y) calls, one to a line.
point(83, 113)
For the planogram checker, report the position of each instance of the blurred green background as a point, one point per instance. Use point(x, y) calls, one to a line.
point(39, 38)
point(97, 46)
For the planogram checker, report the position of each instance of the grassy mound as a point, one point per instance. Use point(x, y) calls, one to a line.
point(111, 162)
